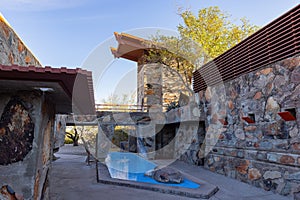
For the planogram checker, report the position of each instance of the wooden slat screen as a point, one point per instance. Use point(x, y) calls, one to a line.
point(276, 41)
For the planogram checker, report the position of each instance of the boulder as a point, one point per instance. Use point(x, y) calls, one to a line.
point(165, 175)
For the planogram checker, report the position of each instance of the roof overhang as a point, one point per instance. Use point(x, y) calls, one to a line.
point(130, 47)
point(71, 90)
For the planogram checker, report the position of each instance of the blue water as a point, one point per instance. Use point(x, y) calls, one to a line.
point(128, 166)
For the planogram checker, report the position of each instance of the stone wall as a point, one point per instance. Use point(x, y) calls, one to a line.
point(159, 84)
point(173, 85)
point(60, 130)
point(189, 144)
point(165, 138)
point(266, 153)
point(140, 85)
point(12, 50)
point(25, 143)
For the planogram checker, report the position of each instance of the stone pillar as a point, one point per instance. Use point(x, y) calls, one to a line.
point(59, 130)
point(150, 85)
point(159, 85)
point(26, 139)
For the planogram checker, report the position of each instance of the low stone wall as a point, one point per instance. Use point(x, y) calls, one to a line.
point(266, 153)
point(26, 135)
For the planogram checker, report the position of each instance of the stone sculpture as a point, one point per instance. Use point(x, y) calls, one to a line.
point(165, 175)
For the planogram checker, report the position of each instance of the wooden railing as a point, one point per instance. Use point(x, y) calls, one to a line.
point(124, 107)
point(121, 107)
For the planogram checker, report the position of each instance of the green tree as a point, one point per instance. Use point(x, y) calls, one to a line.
point(202, 38)
point(214, 31)
point(179, 53)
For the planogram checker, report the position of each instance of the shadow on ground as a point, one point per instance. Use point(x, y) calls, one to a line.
point(72, 179)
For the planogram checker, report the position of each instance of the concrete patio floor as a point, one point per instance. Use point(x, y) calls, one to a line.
point(72, 179)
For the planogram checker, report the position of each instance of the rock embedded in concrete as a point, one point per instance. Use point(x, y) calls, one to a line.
point(265, 145)
point(208, 94)
point(272, 157)
point(17, 132)
point(250, 128)
point(271, 175)
point(294, 132)
point(254, 174)
point(257, 96)
point(240, 134)
point(296, 94)
point(294, 176)
point(279, 81)
point(295, 76)
point(230, 105)
point(272, 105)
point(261, 156)
point(7, 193)
point(266, 71)
point(296, 146)
point(243, 167)
point(286, 159)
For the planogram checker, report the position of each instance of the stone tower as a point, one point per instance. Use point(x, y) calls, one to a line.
point(157, 84)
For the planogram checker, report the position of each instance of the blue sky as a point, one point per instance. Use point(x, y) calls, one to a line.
point(68, 32)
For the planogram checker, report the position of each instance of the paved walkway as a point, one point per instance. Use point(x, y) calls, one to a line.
point(72, 179)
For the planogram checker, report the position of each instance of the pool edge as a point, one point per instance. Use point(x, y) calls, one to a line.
point(205, 191)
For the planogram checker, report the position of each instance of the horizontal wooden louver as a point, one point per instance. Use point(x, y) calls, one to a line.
point(276, 41)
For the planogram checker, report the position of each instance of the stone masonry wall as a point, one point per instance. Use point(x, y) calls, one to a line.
point(150, 85)
point(12, 49)
point(26, 135)
point(189, 143)
point(173, 85)
point(159, 84)
point(266, 153)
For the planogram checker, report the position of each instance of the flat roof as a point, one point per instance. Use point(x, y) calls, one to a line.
point(130, 47)
point(71, 90)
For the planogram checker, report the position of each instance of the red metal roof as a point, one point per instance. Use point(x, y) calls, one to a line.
point(72, 86)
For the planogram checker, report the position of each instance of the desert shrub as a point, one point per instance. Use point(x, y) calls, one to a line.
point(68, 140)
point(121, 134)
